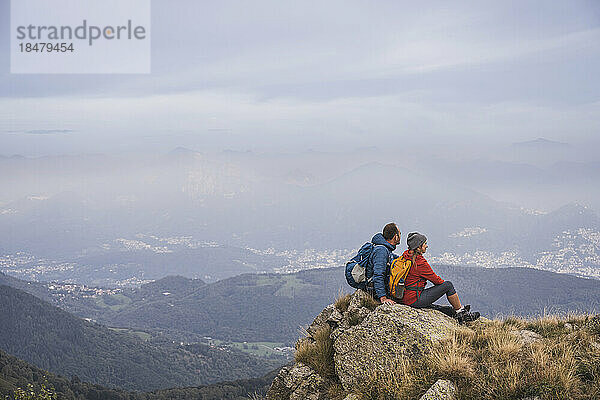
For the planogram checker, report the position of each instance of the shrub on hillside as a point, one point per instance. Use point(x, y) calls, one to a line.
point(44, 393)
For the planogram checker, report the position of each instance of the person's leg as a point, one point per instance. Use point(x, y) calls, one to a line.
point(432, 294)
point(455, 301)
point(453, 296)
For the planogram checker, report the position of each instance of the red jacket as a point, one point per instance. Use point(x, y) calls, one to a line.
point(420, 272)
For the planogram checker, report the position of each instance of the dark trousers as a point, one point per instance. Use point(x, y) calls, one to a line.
point(430, 295)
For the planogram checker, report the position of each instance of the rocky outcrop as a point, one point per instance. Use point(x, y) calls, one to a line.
point(391, 330)
point(298, 382)
point(322, 318)
point(360, 334)
point(358, 348)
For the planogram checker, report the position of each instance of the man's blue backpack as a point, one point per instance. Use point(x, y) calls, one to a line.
point(356, 268)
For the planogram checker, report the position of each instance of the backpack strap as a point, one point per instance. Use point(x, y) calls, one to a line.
point(415, 287)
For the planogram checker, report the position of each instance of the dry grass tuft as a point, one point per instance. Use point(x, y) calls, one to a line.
point(513, 322)
point(592, 324)
point(486, 361)
point(397, 379)
point(578, 319)
point(453, 362)
point(547, 326)
point(342, 302)
point(336, 391)
point(369, 302)
point(503, 346)
point(318, 354)
point(492, 363)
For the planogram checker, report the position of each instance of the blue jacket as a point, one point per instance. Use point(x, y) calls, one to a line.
point(381, 257)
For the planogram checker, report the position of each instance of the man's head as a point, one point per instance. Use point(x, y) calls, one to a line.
point(391, 233)
point(416, 241)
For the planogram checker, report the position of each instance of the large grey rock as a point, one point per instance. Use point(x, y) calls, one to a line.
point(298, 382)
point(440, 390)
point(390, 331)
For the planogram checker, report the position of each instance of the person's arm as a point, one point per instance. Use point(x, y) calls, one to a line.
point(379, 266)
point(426, 272)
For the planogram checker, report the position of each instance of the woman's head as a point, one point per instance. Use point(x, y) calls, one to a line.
point(417, 242)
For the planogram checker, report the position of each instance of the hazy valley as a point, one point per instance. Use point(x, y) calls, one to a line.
point(217, 261)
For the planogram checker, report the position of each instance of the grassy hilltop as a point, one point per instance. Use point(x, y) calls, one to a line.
point(548, 357)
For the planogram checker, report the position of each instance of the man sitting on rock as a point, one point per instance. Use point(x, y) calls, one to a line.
point(415, 294)
point(385, 243)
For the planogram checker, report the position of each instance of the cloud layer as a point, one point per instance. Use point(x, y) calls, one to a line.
point(288, 75)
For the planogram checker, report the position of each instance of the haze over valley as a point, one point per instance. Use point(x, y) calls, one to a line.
point(127, 219)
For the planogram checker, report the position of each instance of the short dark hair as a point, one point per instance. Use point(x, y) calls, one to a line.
point(390, 230)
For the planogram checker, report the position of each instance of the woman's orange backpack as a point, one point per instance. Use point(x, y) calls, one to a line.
point(398, 271)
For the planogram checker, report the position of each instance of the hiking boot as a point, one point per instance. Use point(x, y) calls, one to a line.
point(472, 316)
point(465, 308)
point(467, 316)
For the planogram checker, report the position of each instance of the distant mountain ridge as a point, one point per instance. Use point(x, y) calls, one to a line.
point(541, 142)
point(272, 307)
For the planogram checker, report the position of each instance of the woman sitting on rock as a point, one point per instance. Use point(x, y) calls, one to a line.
point(415, 294)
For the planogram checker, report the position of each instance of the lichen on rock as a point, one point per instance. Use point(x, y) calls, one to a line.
point(297, 382)
point(391, 330)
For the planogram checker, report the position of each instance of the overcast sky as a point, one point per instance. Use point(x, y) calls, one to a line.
point(283, 75)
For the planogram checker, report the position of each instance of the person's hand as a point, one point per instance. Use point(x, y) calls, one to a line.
point(385, 300)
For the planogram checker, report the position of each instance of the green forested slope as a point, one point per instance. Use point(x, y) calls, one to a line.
point(55, 340)
point(15, 373)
